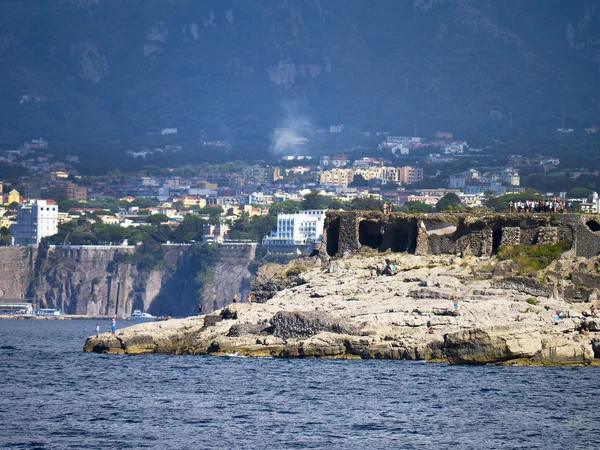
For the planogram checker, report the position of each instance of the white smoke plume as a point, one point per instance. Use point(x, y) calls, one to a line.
point(291, 136)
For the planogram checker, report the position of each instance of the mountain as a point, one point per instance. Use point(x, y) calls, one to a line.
point(85, 73)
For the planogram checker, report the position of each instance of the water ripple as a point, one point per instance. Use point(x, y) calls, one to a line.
point(53, 396)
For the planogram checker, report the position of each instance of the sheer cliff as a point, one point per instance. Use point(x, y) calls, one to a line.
point(95, 280)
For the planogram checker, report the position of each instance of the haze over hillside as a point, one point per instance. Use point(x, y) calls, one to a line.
point(96, 71)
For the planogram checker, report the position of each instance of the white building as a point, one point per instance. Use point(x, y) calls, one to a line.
point(35, 220)
point(593, 206)
point(298, 231)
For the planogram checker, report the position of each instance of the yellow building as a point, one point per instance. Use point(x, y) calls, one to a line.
point(337, 177)
point(5, 222)
point(194, 200)
point(409, 175)
point(372, 173)
point(13, 197)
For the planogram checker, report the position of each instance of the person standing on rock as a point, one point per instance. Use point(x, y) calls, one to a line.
point(249, 298)
point(97, 330)
point(199, 309)
point(235, 298)
point(113, 327)
point(455, 300)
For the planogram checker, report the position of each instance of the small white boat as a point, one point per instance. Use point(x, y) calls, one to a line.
point(139, 315)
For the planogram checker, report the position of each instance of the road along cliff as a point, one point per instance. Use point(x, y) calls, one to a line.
point(463, 310)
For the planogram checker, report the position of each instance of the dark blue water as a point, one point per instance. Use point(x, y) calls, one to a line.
point(53, 396)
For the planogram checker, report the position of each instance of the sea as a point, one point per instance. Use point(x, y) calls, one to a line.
point(54, 396)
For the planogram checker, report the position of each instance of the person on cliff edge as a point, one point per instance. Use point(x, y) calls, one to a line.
point(113, 326)
point(199, 309)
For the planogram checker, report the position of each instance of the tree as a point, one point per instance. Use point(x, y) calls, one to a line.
point(448, 201)
point(359, 181)
point(337, 204)
point(285, 207)
point(189, 229)
point(314, 200)
point(418, 207)
point(156, 219)
point(579, 192)
point(212, 210)
point(366, 204)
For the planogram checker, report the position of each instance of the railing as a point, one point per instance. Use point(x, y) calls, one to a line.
point(90, 247)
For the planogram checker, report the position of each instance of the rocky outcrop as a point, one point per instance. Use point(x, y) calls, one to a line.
point(397, 306)
point(492, 344)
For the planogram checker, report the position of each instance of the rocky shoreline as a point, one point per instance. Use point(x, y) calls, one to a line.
point(396, 306)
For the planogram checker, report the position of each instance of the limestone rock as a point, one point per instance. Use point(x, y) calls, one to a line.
point(302, 324)
point(492, 344)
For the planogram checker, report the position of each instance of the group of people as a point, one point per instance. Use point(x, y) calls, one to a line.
point(540, 206)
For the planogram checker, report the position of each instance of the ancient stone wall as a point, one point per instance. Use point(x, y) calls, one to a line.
point(455, 233)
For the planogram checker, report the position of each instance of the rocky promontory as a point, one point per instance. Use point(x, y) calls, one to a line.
point(397, 306)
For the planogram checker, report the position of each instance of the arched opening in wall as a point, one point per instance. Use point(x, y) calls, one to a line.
point(138, 303)
point(593, 225)
point(400, 237)
point(333, 237)
point(496, 240)
point(369, 234)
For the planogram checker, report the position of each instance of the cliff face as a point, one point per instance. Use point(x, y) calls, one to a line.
point(16, 265)
point(91, 281)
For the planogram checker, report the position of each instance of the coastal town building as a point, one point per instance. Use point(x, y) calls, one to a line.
point(337, 177)
point(215, 234)
point(13, 197)
point(35, 220)
point(296, 232)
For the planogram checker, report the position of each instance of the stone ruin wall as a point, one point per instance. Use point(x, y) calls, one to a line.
point(346, 233)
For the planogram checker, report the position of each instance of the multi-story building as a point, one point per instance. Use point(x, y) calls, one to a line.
point(215, 234)
point(66, 191)
point(297, 232)
point(410, 175)
point(372, 173)
point(262, 175)
point(337, 177)
point(13, 197)
point(75, 192)
point(35, 220)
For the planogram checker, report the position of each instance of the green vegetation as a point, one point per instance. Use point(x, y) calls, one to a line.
point(285, 207)
point(530, 258)
point(448, 201)
point(109, 204)
point(314, 200)
point(414, 207)
point(205, 257)
point(532, 301)
point(253, 228)
point(500, 204)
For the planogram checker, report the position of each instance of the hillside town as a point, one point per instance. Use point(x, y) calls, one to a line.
point(51, 192)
